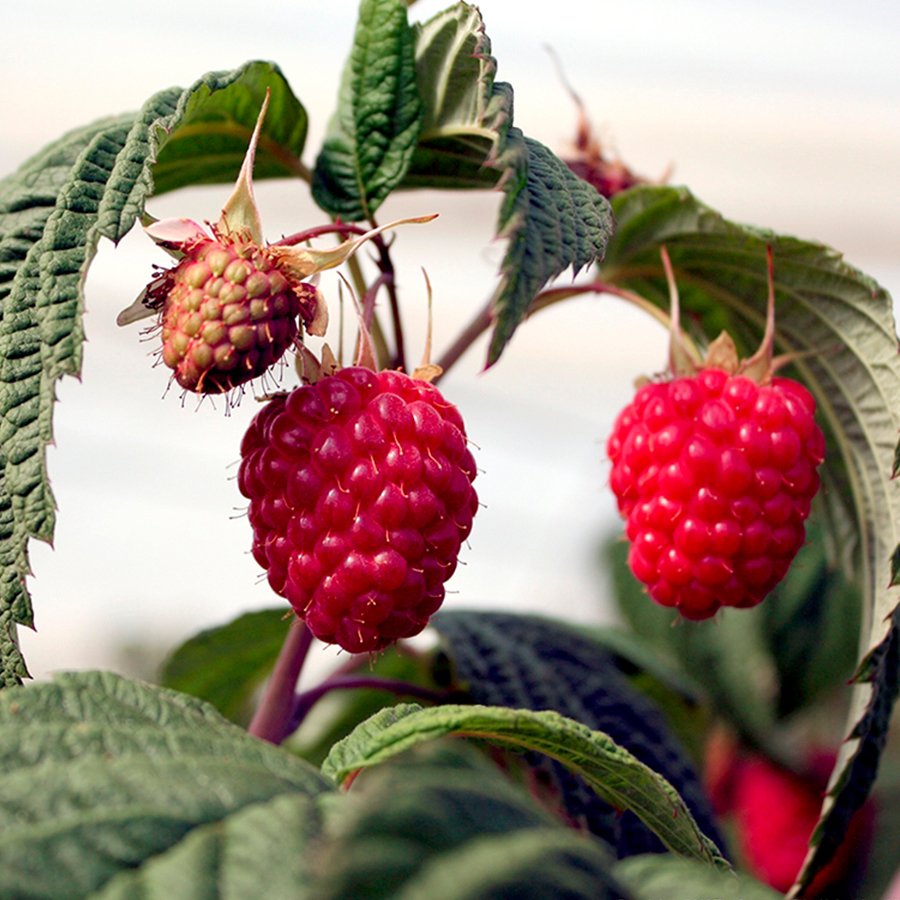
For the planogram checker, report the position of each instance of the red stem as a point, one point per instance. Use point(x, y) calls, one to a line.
point(301, 237)
point(271, 721)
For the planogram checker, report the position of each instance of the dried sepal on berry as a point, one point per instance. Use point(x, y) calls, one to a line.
point(714, 470)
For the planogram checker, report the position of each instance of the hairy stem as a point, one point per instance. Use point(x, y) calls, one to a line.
point(271, 722)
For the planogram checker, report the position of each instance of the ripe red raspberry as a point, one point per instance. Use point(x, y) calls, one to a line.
point(360, 490)
point(714, 475)
point(774, 812)
point(228, 313)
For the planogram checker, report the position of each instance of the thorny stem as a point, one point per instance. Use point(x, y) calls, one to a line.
point(272, 717)
point(305, 701)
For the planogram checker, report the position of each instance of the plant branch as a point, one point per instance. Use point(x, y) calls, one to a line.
point(482, 320)
point(272, 717)
point(479, 324)
point(305, 701)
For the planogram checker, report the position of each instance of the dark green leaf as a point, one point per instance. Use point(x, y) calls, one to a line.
point(551, 219)
point(211, 129)
point(842, 323)
point(615, 774)
point(91, 183)
point(48, 235)
point(811, 625)
point(684, 703)
point(264, 844)
point(372, 136)
point(442, 822)
point(537, 663)
point(101, 774)
point(225, 665)
point(652, 877)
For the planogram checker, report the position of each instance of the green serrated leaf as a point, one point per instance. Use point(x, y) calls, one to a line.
point(466, 114)
point(210, 131)
point(262, 844)
point(842, 323)
point(99, 774)
point(91, 183)
point(617, 776)
point(47, 237)
point(372, 136)
point(224, 665)
point(551, 219)
point(440, 821)
point(653, 876)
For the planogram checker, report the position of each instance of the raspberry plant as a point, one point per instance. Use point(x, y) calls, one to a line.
point(508, 753)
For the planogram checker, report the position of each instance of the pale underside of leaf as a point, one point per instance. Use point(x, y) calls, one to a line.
point(615, 774)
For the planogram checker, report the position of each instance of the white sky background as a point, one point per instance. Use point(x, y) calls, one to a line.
point(782, 115)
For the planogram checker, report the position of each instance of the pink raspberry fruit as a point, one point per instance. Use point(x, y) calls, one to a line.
point(228, 313)
point(714, 474)
point(360, 490)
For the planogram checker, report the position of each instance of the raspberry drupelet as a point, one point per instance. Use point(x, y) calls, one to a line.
point(360, 490)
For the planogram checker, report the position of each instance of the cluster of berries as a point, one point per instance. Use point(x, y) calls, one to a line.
point(360, 484)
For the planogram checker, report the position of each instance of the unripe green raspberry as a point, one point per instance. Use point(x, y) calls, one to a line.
point(228, 312)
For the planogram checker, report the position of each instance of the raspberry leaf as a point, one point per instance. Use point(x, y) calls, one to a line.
point(551, 220)
point(91, 183)
point(614, 773)
point(206, 139)
point(263, 843)
point(841, 322)
point(683, 879)
point(442, 821)
point(224, 665)
point(124, 772)
point(373, 133)
point(537, 663)
point(49, 229)
point(466, 113)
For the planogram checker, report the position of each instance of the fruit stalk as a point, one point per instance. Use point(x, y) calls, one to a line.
point(271, 722)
